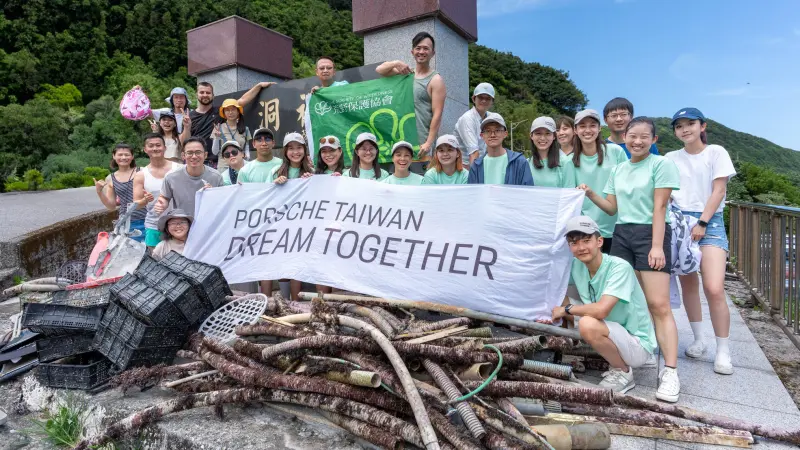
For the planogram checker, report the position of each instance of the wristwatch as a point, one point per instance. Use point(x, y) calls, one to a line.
point(567, 308)
point(702, 223)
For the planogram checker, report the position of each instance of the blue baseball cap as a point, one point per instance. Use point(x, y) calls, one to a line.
point(688, 113)
point(181, 91)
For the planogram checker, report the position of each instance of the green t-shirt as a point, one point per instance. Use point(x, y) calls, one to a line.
point(494, 169)
point(595, 176)
point(434, 177)
point(368, 174)
point(634, 184)
point(294, 172)
point(412, 179)
point(558, 177)
point(616, 277)
point(259, 172)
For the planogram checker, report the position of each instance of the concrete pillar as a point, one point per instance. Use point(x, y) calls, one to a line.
point(388, 27)
point(233, 54)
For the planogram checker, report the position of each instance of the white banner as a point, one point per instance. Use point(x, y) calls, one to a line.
point(497, 249)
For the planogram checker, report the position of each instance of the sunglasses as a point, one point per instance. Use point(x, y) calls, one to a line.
point(263, 139)
point(233, 152)
point(330, 140)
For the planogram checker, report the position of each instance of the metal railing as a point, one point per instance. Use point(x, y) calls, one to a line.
point(763, 251)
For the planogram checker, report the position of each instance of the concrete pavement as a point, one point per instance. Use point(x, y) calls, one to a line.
point(23, 212)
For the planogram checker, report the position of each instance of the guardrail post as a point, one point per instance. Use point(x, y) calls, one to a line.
point(776, 265)
point(755, 249)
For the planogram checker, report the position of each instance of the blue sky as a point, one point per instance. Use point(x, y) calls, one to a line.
point(738, 61)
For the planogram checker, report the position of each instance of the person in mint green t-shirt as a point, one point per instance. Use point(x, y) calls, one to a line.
point(260, 169)
point(612, 315)
point(591, 164)
point(329, 158)
point(365, 159)
point(295, 165)
point(447, 164)
point(295, 162)
point(638, 191)
point(402, 154)
point(546, 163)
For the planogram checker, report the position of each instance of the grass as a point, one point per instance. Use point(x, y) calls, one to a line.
point(64, 427)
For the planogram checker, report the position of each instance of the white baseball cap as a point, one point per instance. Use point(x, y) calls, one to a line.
point(484, 88)
point(366, 137)
point(230, 144)
point(587, 113)
point(581, 224)
point(293, 137)
point(403, 144)
point(544, 122)
point(493, 118)
point(330, 141)
point(447, 139)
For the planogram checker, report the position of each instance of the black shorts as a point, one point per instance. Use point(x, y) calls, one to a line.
point(606, 248)
point(632, 242)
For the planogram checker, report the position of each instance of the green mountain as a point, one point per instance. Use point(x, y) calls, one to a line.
point(743, 147)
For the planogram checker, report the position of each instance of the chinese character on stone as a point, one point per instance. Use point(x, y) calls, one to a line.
point(270, 114)
point(301, 111)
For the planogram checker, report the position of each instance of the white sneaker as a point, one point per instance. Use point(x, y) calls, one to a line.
point(618, 380)
point(723, 365)
point(696, 350)
point(652, 361)
point(670, 387)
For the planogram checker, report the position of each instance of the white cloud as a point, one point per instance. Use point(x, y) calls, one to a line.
point(685, 66)
point(773, 40)
point(487, 8)
point(733, 92)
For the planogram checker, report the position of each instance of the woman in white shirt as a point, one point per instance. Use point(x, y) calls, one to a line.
point(705, 171)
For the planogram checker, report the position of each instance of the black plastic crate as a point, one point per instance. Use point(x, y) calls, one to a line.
point(83, 298)
point(203, 275)
point(83, 371)
point(54, 320)
point(58, 347)
point(147, 303)
point(188, 298)
point(128, 342)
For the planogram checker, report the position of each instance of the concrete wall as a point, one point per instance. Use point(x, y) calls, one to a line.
point(234, 78)
point(40, 253)
point(451, 60)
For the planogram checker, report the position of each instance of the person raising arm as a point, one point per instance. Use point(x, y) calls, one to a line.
point(429, 91)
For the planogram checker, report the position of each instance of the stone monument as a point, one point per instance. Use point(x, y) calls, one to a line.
point(388, 27)
point(233, 54)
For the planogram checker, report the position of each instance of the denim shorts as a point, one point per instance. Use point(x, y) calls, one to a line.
point(715, 232)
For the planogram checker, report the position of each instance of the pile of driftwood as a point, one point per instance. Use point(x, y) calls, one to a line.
point(371, 367)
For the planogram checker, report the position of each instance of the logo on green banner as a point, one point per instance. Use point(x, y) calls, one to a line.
point(383, 107)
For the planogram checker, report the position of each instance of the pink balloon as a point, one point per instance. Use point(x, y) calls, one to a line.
point(135, 105)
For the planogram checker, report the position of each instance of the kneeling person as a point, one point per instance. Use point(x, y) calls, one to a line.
point(613, 318)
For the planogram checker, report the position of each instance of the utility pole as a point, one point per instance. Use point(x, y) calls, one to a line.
point(514, 125)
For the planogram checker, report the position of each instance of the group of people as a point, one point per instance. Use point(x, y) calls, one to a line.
point(619, 296)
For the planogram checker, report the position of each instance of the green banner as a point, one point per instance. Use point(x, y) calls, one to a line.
point(384, 107)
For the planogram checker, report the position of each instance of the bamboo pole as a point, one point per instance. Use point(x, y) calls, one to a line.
point(697, 435)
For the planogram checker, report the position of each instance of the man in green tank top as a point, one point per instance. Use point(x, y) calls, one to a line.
point(429, 90)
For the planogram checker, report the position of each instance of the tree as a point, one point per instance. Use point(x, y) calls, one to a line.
point(32, 131)
point(65, 96)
